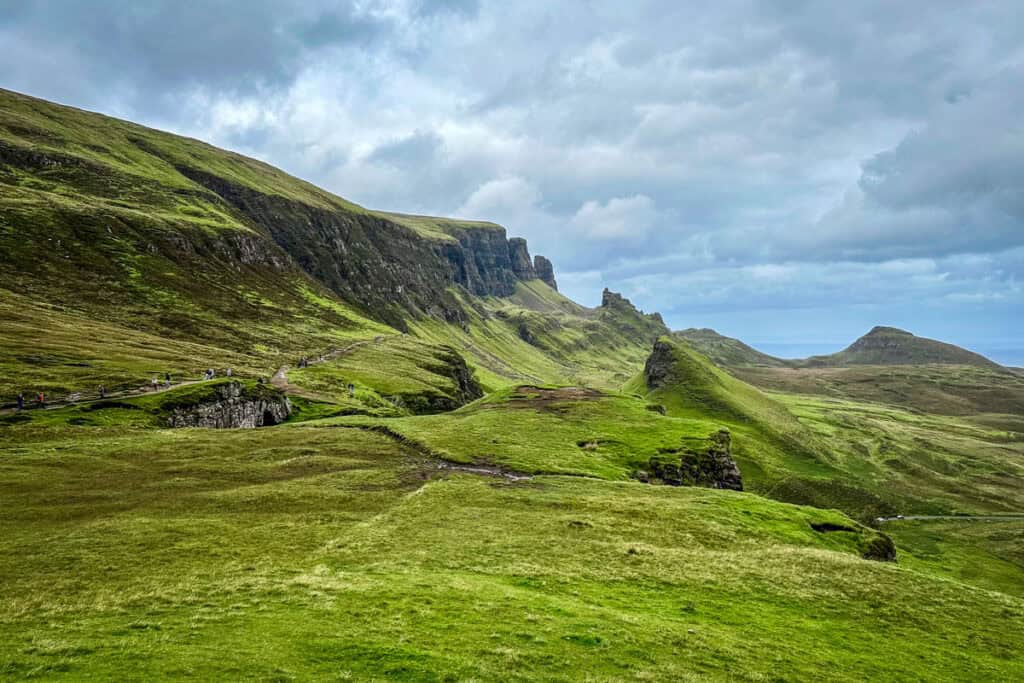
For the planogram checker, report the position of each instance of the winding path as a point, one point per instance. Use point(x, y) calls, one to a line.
point(279, 380)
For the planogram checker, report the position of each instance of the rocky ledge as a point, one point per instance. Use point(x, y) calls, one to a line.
point(712, 467)
point(233, 405)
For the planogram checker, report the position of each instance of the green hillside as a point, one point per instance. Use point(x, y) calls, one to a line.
point(726, 351)
point(428, 464)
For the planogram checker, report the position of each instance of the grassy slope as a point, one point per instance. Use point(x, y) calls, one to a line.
point(940, 389)
point(86, 283)
point(984, 553)
point(539, 430)
point(727, 352)
point(307, 552)
point(864, 458)
point(769, 442)
point(930, 464)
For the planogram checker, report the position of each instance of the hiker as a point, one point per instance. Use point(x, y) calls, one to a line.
point(228, 372)
point(167, 378)
point(41, 400)
point(103, 392)
point(21, 402)
point(155, 383)
point(351, 389)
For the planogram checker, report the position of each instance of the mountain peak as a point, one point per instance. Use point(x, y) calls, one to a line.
point(878, 330)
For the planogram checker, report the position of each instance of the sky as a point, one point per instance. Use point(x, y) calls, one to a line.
point(787, 172)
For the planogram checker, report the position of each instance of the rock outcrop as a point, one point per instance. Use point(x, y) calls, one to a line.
point(712, 467)
point(620, 312)
point(545, 271)
point(659, 369)
point(231, 405)
point(519, 255)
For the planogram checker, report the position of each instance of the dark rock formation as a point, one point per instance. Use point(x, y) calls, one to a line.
point(713, 467)
point(374, 262)
point(231, 405)
point(545, 271)
point(660, 365)
point(480, 262)
point(519, 255)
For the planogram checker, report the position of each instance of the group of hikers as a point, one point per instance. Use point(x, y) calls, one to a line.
point(40, 400)
point(154, 384)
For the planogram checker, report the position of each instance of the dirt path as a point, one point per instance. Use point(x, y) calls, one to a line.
point(1013, 517)
point(30, 405)
point(279, 380)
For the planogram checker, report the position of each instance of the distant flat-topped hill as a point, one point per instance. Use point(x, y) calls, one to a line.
point(893, 346)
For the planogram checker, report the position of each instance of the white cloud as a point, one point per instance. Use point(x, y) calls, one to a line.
point(619, 218)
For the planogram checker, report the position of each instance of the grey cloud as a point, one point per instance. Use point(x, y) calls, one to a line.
point(417, 149)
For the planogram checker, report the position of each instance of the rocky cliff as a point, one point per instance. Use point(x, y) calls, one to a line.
point(232, 405)
point(711, 466)
point(545, 271)
point(378, 264)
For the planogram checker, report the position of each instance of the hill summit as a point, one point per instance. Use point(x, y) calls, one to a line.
point(893, 346)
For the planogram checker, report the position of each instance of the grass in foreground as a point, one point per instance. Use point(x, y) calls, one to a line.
point(297, 553)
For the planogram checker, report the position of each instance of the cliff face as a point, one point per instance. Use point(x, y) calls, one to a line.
point(385, 268)
point(231, 406)
point(545, 271)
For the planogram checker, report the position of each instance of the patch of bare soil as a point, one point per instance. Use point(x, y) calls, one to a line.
point(528, 396)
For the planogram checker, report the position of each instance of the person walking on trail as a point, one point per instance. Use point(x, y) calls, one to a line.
point(41, 400)
point(167, 378)
point(21, 402)
point(228, 372)
point(155, 383)
point(103, 392)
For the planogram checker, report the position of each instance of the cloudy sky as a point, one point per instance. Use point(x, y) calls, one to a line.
point(786, 172)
